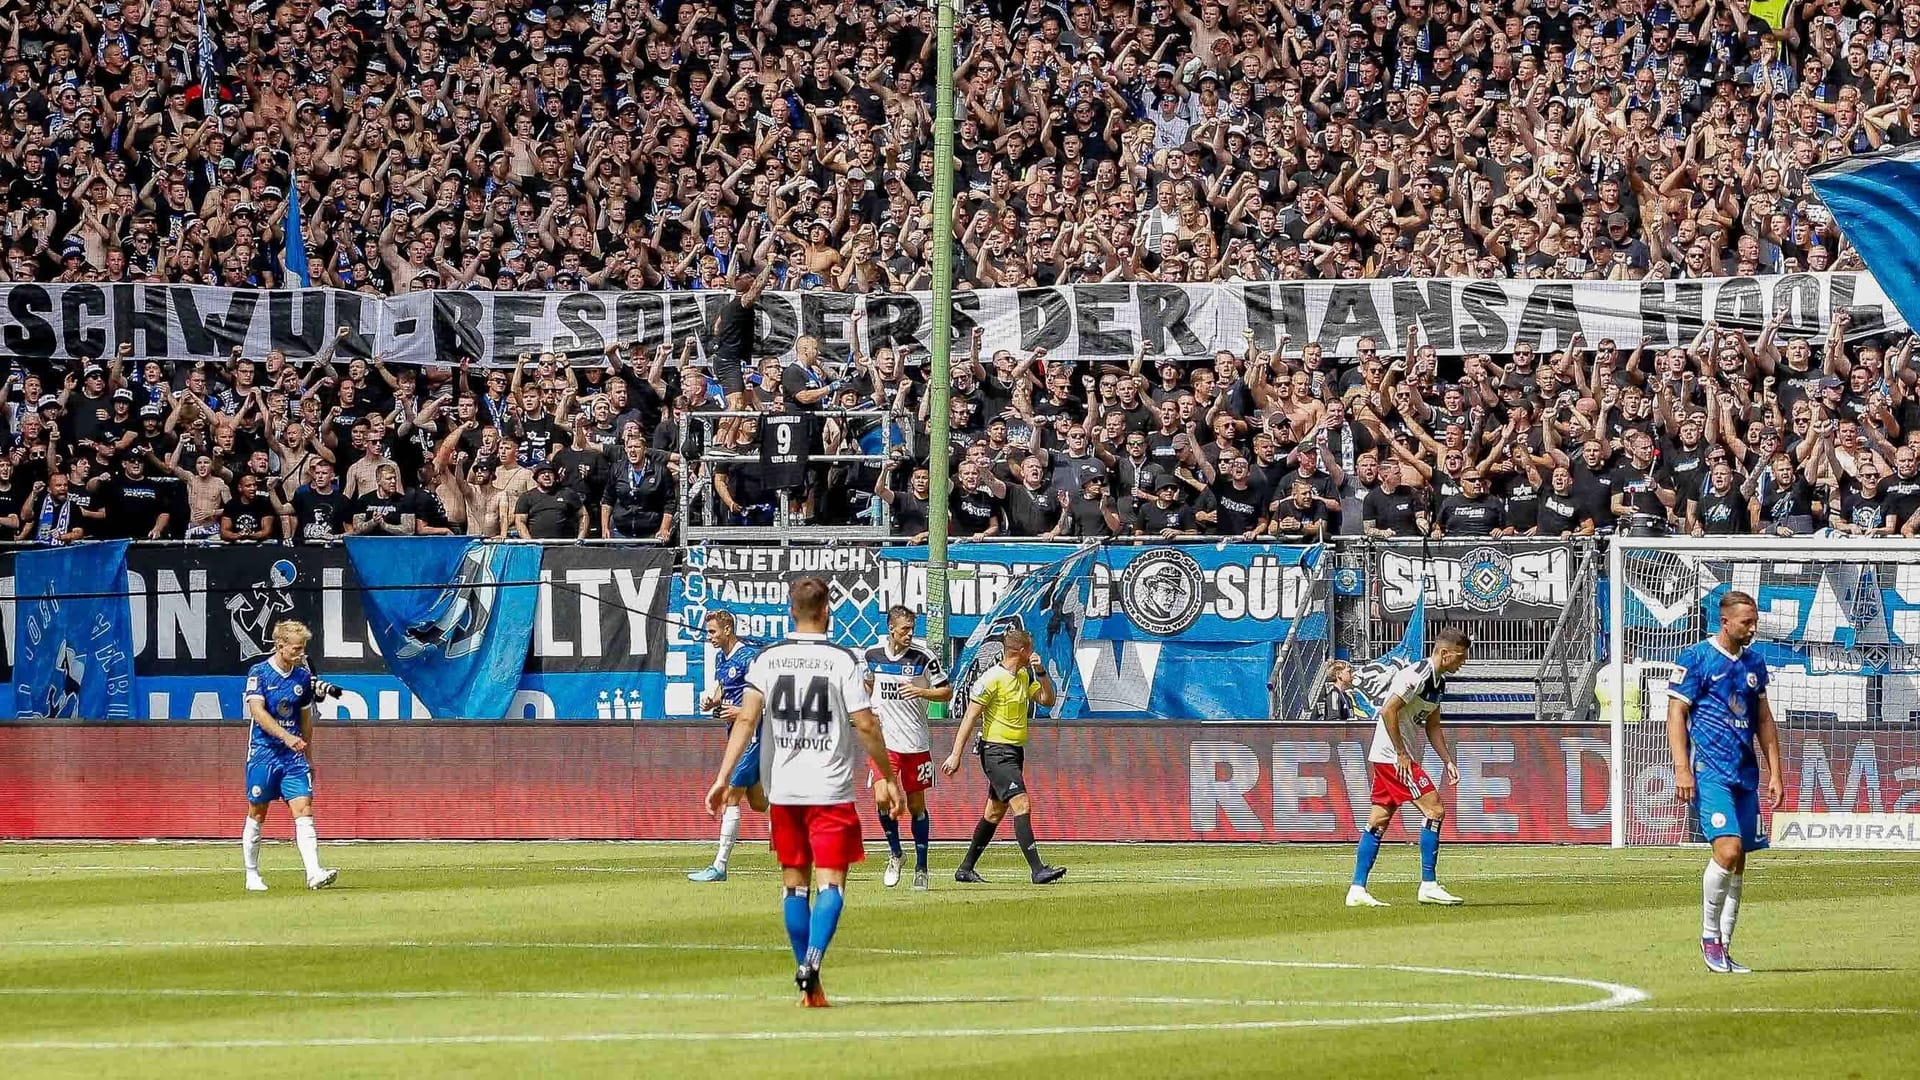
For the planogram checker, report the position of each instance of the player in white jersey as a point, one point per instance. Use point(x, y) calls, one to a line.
point(1413, 702)
point(807, 697)
point(902, 676)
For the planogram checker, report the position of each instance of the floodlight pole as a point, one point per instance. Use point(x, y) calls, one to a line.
point(939, 376)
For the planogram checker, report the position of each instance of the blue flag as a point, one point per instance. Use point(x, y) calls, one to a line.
point(1875, 199)
point(296, 237)
point(456, 637)
point(74, 647)
point(1051, 605)
point(1373, 679)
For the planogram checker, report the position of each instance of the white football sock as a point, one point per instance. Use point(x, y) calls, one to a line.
point(250, 846)
point(309, 843)
point(1713, 893)
point(1730, 910)
point(729, 831)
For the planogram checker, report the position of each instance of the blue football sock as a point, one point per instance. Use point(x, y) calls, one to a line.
point(1429, 850)
point(922, 833)
point(891, 826)
point(1363, 858)
point(799, 921)
point(826, 919)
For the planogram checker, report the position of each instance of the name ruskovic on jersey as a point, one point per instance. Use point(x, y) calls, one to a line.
point(796, 742)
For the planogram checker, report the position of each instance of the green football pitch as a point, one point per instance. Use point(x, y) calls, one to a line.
point(602, 959)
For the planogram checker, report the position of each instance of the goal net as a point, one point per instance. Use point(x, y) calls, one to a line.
point(1839, 629)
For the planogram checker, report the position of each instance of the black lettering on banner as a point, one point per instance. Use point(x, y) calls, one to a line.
point(1046, 318)
point(230, 327)
point(1867, 318)
point(457, 321)
point(1101, 335)
point(347, 313)
point(963, 315)
point(1351, 314)
point(637, 317)
point(1670, 311)
point(1432, 310)
point(893, 322)
point(307, 339)
point(687, 317)
point(810, 706)
point(824, 316)
point(517, 318)
point(1549, 310)
point(1737, 305)
point(140, 319)
point(196, 337)
point(1481, 302)
point(1799, 294)
point(777, 322)
point(1274, 312)
point(27, 332)
point(76, 303)
point(1164, 311)
point(578, 313)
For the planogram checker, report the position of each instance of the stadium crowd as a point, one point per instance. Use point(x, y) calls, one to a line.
point(783, 145)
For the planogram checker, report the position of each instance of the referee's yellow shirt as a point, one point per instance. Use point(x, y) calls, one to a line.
point(1005, 700)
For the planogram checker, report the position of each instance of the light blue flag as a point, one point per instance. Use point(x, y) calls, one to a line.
point(1051, 605)
point(1875, 199)
point(296, 236)
point(1372, 680)
point(446, 626)
point(73, 633)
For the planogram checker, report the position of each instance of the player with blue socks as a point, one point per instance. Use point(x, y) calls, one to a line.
point(807, 699)
point(1413, 702)
point(279, 699)
point(902, 677)
point(1717, 709)
point(732, 659)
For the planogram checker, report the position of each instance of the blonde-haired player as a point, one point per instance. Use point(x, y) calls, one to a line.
point(279, 699)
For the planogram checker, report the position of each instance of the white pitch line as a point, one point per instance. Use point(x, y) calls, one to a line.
point(1616, 996)
point(643, 995)
point(1778, 1010)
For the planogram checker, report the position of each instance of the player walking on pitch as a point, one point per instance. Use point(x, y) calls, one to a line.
point(902, 676)
point(1716, 710)
point(732, 659)
point(1413, 701)
point(1005, 697)
point(807, 698)
point(279, 697)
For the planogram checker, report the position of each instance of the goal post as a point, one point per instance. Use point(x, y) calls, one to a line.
point(1839, 630)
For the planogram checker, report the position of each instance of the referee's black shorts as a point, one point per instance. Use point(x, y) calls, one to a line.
point(1003, 763)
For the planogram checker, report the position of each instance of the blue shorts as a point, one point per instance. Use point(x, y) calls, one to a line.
point(746, 774)
point(1727, 809)
point(271, 777)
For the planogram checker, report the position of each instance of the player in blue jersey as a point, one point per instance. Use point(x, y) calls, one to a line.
point(732, 658)
point(279, 700)
point(1717, 710)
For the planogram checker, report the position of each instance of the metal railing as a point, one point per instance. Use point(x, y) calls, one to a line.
point(1566, 675)
point(700, 509)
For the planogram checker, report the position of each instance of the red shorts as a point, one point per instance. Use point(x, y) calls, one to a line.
point(913, 770)
point(824, 837)
point(1389, 791)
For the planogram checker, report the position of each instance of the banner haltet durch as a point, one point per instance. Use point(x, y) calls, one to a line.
point(1101, 322)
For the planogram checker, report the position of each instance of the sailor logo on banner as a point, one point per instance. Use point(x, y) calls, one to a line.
point(1373, 680)
point(1163, 591)
point(251, 612)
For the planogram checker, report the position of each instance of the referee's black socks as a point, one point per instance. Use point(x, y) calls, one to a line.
point(982, 836)
point(1023, 831)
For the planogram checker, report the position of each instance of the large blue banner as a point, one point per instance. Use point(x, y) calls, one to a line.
point(1875, 199)
point(447, 627)
point(1050, 604)
point(74, 637)
point(1373, 679)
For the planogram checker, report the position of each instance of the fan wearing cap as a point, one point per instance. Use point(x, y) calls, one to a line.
point(1166, 517)
point(549, 511)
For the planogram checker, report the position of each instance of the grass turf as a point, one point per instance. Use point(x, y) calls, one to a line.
point(583, 959)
